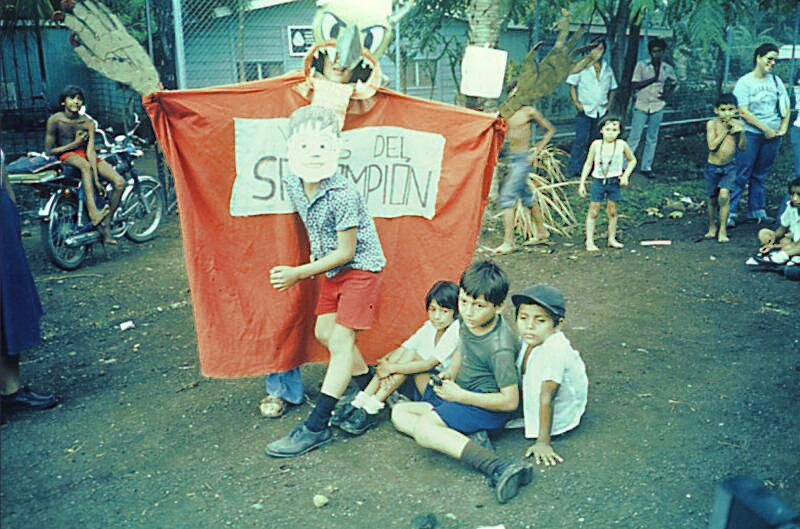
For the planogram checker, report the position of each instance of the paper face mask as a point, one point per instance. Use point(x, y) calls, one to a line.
point(314, 151)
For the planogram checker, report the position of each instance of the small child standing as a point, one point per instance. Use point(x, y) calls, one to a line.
point(430, 348)
point(346, 255)
point(479, 389)
point(724, 135)
point(554, 383)
point(605, 161)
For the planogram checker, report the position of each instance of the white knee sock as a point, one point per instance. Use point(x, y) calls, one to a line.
point(372, 405)
point(359, 400)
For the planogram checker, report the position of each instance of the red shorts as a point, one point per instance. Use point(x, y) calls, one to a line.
point(79, 152)
point(352, 295)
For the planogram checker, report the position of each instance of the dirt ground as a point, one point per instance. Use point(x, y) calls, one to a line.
point(693, 362)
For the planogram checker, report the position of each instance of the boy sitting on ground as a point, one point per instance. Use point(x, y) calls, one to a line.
point(479, 389)
point(724, 135)
point(429, 348)
point(554, 383)
point(782, 247)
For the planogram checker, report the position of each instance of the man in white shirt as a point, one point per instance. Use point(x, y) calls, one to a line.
point(655, 81)
point(592, 92)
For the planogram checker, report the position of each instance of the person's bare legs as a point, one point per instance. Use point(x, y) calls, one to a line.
point(82, 164)
point(387, 385)
point(712, 218)
point(106, 171)
point(9, 374)
point(508, 233)
point(611, 210)
point(591, 221)
point(345, 357)
point(418, 420)
point(542, 235)
point(724, 209)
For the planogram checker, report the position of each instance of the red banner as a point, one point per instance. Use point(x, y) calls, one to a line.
point(244, 327)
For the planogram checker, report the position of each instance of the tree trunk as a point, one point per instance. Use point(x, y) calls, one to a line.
point(617, 28)
point(624, 91)
point(487, 20)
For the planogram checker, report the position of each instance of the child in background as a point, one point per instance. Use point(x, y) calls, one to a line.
point(517, 183)
point(724, 135)
point(782, 246)
point(554, 383)
point(479, 389)
point(432, 346)
point(605, 161)
point(69, 134)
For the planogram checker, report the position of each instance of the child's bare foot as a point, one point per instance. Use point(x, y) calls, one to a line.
point(710, 234)
point(100, 216)
point(723, 237)
point(543, 239)
point(591, 247)
point(503, 249)
point(613, 243)
point(106, 233)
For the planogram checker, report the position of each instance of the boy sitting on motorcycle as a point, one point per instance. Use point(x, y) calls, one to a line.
point(70, 136)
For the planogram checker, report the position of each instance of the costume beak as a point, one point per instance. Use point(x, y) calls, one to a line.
point(348, 47)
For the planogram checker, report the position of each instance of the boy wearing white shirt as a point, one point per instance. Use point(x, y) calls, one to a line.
point(431, 347)
point(554, 382)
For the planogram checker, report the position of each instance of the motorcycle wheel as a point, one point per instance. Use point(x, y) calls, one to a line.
point(144, 209)
point(62, 223)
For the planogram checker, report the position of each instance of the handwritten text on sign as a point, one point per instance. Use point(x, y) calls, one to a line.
point(397, 170)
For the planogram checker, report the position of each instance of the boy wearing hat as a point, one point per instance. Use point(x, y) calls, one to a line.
point(554, 383)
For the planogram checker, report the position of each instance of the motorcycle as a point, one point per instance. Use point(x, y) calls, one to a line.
point(66, 229)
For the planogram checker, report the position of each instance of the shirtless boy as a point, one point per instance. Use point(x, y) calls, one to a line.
point(516, 184)
point(70, 136)
point(724, 135)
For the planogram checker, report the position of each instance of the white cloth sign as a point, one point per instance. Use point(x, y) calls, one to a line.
point(397, 170)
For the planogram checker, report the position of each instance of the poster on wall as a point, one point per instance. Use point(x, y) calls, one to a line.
point(301, 39)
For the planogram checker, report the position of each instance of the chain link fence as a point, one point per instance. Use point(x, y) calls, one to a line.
point(236, 41)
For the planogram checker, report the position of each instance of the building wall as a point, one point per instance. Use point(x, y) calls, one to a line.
point(211, 53)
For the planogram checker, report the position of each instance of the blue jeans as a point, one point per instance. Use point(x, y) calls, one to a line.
point(638, 123)
point(585, 132)
point(516, 184)
point(795, 133)
point(753, 164)
point(287, 385)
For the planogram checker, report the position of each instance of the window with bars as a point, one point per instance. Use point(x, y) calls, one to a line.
point(254, 70)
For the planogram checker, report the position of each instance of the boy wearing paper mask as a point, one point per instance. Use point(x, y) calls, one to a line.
point(346, 254)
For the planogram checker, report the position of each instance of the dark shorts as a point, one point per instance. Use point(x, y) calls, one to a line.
point(352, 295)
point(606, 188)
point(465, 418)
point(720, 177)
